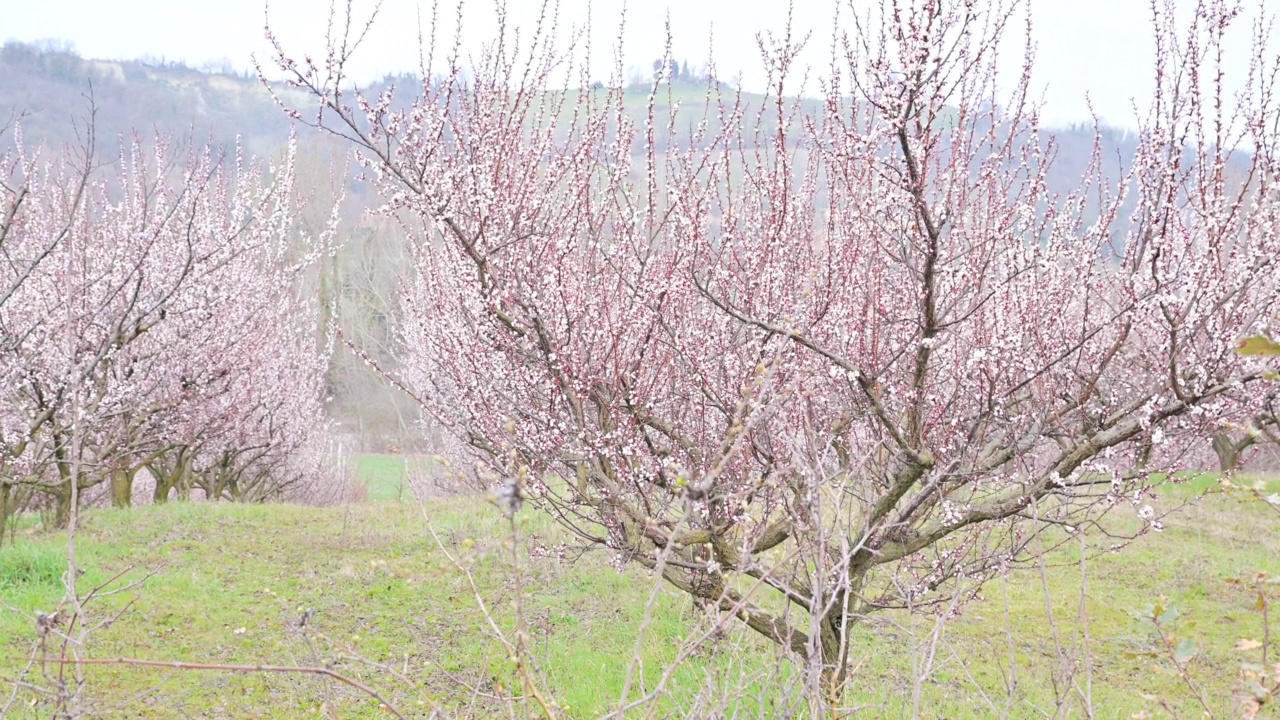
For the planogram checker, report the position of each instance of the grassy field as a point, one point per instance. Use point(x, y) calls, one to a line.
point(232, 583)
point(389, 477)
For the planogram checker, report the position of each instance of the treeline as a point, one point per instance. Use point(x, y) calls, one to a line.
point(155, 315)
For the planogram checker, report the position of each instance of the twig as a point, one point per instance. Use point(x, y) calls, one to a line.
point(218, 667)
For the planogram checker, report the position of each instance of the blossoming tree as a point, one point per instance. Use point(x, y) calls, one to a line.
point(150, 310)
point(810, 361)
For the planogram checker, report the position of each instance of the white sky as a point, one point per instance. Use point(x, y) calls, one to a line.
point(1096, 48)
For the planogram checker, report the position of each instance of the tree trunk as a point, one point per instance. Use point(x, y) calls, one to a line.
point(6, 494)
point(161, 493)
point(834, 635)
point(62, 506)
point(63, 492)
point(122, 488)
point(171, 478)
point(1228, 451)
point(164, 484)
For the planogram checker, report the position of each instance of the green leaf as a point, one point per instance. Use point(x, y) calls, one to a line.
point(1184, 651)
point(1258, 345)
point(1141, 613)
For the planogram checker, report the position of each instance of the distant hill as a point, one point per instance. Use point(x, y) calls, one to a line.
point(52, 88)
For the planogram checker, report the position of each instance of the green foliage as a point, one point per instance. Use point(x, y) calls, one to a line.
point(1258, 345)
point(1263, 346)
point(1164, 635)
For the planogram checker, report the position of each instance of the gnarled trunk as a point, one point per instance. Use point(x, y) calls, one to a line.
point(1228, 450)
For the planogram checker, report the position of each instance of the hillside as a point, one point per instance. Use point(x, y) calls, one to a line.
point(52, 90)
point(51, 87)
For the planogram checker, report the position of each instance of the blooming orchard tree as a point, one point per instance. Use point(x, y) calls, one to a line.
point(149, 311)
point(257, 437)
point(252, 400)
point(812, 362)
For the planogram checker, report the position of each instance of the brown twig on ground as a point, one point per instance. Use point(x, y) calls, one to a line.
point(218, 667)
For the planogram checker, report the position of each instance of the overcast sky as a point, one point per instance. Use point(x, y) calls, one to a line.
point(1100, 49)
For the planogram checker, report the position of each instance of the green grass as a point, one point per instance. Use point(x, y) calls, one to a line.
point(389, 478)
point(232, 581)
point(30, 565)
